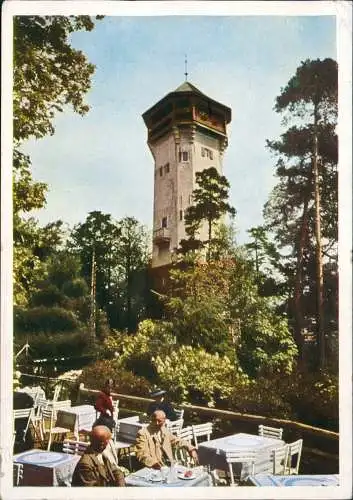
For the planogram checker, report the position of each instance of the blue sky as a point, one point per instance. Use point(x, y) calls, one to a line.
point(102, 162)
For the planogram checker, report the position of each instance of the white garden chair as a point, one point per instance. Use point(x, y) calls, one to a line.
point(22, 413)
point(202, 431)
point(74, 447)
point(271, 432)
point(179, 412)
point(279, 459)
point(174, 426)
point(240, 457)
point(180, 454)
point(49, 427)
point(294, 450)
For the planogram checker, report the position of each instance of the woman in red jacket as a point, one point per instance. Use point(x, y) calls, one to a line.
point(104, 404)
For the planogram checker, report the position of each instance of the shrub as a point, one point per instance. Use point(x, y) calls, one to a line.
point(49, 297)
point(75, 288)
point(125, 382)
point(47, 345)
point(193, 375)
point(45, 319)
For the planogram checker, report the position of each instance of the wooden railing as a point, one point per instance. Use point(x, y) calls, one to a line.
point(322, 442)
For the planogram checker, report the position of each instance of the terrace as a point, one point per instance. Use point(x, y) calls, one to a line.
point(61, 426)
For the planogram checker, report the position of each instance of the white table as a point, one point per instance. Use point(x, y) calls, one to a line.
point(213, 452)
point(78, 418)
point(46, 468)
point(296, 480)
point(147, 477)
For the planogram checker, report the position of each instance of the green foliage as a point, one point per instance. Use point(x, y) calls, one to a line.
point(48, 72)
point(315, 82)
point(216, 305)
point(49, 345)
point(136, 351)
point(131, 272)
point(93, 376)
point(48, 297)
point(209, 204)
point(194, 375)
point(76, 288)
point(45, 319)
point(291, 214)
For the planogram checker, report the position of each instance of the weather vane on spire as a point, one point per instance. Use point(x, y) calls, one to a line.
point(186, 67)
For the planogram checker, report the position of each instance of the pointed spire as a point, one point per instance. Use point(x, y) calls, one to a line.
point(186, 68)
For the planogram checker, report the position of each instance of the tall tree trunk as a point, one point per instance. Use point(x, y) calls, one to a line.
point(209, 238)
point(298, 284)
point(320, 329)
point(93, 318)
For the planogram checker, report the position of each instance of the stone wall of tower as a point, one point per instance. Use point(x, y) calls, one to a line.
point(205, 152)
point(175, 180)
point(165, 196)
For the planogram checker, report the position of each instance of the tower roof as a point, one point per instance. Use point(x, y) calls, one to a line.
point(187, 88)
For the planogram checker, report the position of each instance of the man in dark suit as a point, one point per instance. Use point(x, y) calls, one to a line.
point(94, 469)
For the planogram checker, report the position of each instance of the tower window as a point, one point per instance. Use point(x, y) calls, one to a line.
point(183, 156)
point(180, 214)
point(161, 171)
point(164, 222)
point(207, 152)
point(166, 168)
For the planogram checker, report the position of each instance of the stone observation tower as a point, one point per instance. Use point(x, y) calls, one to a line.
point(186, 134)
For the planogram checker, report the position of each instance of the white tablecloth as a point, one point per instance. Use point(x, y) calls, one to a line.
point(297, 480)
point(77, 418)
point(46, 468)
point(147, 477)
point(33, 391)
point(213, 452)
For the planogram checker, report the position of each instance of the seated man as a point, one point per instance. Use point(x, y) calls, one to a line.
point(94, 469)
point(160, 403)
point(154, 443)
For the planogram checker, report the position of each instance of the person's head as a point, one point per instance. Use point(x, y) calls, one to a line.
point(158, 418)
point(100, 436)
point(158, 394)
point(108, 385)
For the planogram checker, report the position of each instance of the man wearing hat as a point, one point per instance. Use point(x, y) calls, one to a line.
point(159, 403)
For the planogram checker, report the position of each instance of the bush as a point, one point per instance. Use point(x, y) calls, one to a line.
point(125, 382)
point(75, 288)
point(46, 345)
point(49, 297)
point(45, 319)
point(194, 375)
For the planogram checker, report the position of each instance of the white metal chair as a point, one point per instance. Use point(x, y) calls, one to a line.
point(174, 426)
point(17, 474)
point(179, 413)
point(123, 446)
point(180, 454)
point(240, 457)
point(49, 415)
point(279, 459)
point(272, 432)
point(74, 447)
point(22, 413)
point(116, 415)
point(294, 450)
point(57, 390)
point(202, 431)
